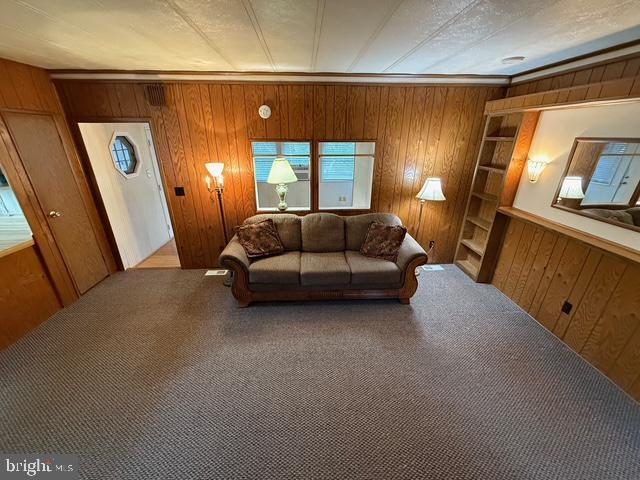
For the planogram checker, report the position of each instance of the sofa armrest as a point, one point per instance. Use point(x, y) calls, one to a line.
point(410, 250)
point(234, 253)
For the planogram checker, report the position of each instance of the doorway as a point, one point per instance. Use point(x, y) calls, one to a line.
point(124, 163)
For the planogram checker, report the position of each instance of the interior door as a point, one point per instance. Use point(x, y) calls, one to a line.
point(133, 202)
point(40, 148)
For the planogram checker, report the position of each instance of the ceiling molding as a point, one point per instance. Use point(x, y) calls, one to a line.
point(253, 18)
point(604, 56)
point(280, 77)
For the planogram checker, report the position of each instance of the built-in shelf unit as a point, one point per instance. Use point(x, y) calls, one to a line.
point(501, 159)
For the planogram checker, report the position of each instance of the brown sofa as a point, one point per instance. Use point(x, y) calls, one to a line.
point(322, 261)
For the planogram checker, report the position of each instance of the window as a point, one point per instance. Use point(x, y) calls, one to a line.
point(14, 228)
point(346, 175)
point(124, 155)
point(298, 154)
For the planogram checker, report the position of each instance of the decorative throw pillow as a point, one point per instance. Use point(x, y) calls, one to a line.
point(260, 239)
point(383, 241)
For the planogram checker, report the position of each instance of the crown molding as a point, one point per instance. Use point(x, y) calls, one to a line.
point(590, 60)
point(156, 76)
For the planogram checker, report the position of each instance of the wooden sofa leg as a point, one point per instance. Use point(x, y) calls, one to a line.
point(404, 301)
point(243, 304)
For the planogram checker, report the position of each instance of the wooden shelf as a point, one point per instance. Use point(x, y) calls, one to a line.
point(475, 247)
point(499, 165)
point(489, 168)
point(485, 196)
point(480, 222)
point(499, 139)
point(468, 267)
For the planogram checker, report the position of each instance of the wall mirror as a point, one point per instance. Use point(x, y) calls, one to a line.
point(602, 181)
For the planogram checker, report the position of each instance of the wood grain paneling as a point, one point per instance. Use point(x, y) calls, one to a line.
point(614, 70)
point(27, 297)
point(35, 281)
point(604, 324)
point(418, 130)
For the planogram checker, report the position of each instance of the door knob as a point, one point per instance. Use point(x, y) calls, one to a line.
point(54, 214)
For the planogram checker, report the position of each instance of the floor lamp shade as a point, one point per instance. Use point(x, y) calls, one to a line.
point(431, 191)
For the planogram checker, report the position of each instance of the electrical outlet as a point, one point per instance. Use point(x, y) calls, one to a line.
point(566, 307)
point(432, 243)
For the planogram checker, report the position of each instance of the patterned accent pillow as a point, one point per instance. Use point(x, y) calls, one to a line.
point(260, 239)
point(383, 241)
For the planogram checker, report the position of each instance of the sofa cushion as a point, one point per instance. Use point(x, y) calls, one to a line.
point(260, 239)
point(283, 269)
point(288, 226)
point(357, 226)
point(372, 271)
point(383, 241)
point(322, 232)
point(635, 215)
point(329, 268)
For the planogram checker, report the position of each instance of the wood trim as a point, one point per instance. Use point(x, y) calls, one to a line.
point(245, 296)
point(621, 90)
point(16, 248)
point(597, 242)
point(320, 78)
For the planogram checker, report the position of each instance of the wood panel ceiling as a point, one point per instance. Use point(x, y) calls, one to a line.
point(353, 36)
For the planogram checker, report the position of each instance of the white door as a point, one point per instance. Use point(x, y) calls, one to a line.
point(132, 194)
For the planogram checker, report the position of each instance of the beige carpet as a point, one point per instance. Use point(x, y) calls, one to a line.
point(156, 374)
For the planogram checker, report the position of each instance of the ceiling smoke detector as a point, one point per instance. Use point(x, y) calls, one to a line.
point(512, 60)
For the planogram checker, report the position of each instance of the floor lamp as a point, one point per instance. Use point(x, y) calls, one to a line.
point(215, 170)
point(431, 191)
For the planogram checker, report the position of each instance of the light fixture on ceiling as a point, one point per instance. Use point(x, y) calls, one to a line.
point(513, 60)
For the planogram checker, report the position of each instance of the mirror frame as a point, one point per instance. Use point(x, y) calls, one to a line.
point(566, 170)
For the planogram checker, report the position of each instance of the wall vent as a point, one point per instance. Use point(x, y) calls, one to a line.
point(155, 95)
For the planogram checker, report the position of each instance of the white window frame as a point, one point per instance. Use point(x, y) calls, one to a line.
point(136, 151)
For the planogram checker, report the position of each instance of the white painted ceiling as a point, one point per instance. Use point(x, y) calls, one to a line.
point(348, 36)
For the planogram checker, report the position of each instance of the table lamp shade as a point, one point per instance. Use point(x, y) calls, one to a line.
point(431, 190)
point(571, 188)
point(281, 172)
point(215, 169)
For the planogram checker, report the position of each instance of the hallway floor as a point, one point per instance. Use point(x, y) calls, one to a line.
point(165, 257)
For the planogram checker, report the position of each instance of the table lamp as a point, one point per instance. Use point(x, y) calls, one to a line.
point(280, 175)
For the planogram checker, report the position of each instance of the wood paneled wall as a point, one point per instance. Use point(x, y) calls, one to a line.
point(540, 269)
point(418, 130)
point(614, 70)
point(36, 281)
point(27, 296)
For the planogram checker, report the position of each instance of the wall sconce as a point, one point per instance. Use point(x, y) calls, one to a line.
point(215, 170)
point(535, 166)
point(571, 188)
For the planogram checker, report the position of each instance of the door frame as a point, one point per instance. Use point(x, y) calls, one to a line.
point(22, 187)
point(93, 183)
